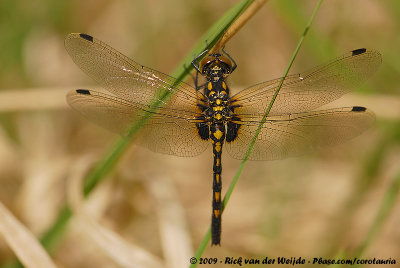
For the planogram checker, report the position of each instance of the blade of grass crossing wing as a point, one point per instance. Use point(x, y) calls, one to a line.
point(207, 236)
point(234, 181)
point(215, 32)
point(106, 164)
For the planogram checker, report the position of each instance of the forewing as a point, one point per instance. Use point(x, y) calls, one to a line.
point(297, 134)
point(312, 89)
point(168, 131)
point(125, 78)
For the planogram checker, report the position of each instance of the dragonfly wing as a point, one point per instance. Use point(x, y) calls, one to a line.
point(312, 89)
point(168, 131)
point(124, 77)
point(299, 133)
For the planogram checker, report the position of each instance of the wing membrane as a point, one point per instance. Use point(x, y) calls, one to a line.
point(289, 130)
point(125, 78)
point(312, 89)
point(297, 134)
point(168, 131)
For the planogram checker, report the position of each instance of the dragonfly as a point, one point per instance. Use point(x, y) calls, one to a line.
point(194, 117)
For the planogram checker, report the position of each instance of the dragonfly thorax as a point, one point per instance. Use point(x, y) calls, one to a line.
point(218, 95)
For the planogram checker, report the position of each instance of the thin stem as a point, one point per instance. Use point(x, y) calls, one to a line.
point(108, 163)
point(384, 211)
point(263, 120)
point(203, 244)
point(238, 24)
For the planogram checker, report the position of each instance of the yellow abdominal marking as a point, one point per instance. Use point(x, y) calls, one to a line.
point(217, 196)
point(218, 162)
point(217, 177)
point(217, 212)
point(223, 85)
point(218, 134)
point(209, 86)
point(218, 147)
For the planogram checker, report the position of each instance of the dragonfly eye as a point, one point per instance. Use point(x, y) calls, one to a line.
point(226, 63)
point(205, 63)
point(215, 64)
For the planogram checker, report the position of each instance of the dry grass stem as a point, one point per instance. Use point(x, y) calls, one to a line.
point(24, 244)
point(112, 244)
point(38, 99)
point(175, 237)
point(238, 24)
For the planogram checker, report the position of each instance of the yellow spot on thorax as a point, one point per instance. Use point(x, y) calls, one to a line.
point(218, 147)
point(223, 85)
point(218, 116)
point(217, 108)
point(209, 86)
point(218, 101)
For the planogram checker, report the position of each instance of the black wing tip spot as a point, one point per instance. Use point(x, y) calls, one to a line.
point(86, 37)
point(358, 51)
point(83, 91)
point(358, 109)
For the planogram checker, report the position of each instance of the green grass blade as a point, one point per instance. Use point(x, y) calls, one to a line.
point(228, 194)
point(107, 164)
point(385, 208)
point(212, 36)
point(237, 175)
point(292, 13)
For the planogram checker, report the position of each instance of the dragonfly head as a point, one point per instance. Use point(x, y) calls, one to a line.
point(215, 66)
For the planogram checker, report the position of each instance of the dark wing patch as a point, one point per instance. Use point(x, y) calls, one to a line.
point(359, 51)
point(86, 37)
point(358, 109)
point(83, 91)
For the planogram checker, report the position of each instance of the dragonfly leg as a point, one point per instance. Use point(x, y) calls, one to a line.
point(195, 61)
point(229, 56)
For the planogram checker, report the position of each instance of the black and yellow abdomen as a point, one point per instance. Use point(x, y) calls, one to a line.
point(216, 92)
point(216, 114)
point(217, 136)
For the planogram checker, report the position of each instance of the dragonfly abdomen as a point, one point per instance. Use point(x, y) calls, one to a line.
point(217, 135)
point(218, 93)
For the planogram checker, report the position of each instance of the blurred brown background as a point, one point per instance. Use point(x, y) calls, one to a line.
point(320, 205)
